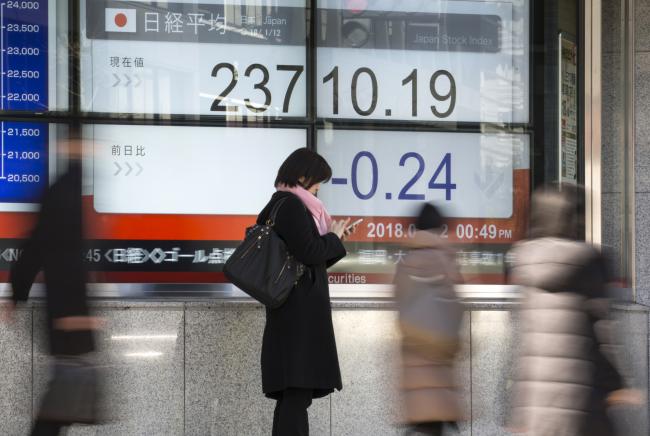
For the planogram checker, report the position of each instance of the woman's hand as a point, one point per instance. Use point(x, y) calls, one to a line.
point(77, 323)
point(626, 397)
point(338, 227)
point(349, 230)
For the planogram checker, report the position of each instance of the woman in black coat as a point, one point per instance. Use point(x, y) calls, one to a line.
point(299, 358)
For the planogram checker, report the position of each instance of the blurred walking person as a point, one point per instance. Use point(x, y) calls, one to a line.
point(56, 246)
point(565, 373)
point(430, 315)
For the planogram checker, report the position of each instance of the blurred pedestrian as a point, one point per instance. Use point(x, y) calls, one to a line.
point(55, 246)
point(430, 315)
point(565, 373)
point(299, 357)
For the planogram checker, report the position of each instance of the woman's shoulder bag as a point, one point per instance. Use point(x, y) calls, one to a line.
point(262, 266)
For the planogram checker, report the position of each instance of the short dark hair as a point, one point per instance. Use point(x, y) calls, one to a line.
point(429, 218)
point(303, 163)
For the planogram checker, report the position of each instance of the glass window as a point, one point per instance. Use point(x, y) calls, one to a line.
point(479, 180)
point(175, 199)
point(458, 73)
point(29, 162)
point(34, 56)
point(221, 58)
point(187, 108)
point(462, 61)
point(25, 163)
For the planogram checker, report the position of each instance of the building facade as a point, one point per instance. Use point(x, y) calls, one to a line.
point(186, 109)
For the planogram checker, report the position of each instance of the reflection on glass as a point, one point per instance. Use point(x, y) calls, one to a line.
point(144, 337)
point(144, 354)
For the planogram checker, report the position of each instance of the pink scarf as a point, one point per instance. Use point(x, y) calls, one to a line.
point(313, 204)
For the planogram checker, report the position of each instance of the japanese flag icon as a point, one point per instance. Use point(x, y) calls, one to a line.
point(121, 20)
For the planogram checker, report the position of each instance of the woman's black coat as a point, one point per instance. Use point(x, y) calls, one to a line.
point(299, 349)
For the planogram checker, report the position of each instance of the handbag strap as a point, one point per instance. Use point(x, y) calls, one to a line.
point(270, 221)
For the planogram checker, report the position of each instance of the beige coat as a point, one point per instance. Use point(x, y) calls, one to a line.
point(566, 361)
point(428, 380)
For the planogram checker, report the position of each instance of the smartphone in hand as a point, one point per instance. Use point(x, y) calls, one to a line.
point(351, 227)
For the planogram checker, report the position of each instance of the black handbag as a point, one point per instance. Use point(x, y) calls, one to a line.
point(73, 394)
point(262, 266)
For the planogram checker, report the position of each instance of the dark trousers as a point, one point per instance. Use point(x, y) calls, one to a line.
point(435, 428)
point(46, 428)
point(290, 417)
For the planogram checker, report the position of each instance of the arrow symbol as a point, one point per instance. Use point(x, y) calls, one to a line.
point(139, 169)
point(10, 254)
point(117, 80)
point(128, 80)
point(119, 168)
point(137, 84)
point(489, 185)
point(129, 168)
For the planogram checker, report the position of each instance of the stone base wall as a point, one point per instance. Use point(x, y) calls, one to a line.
point(193, 369)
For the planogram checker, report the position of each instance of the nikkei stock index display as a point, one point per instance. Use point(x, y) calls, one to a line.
point(168, 198)
point(396, 103)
